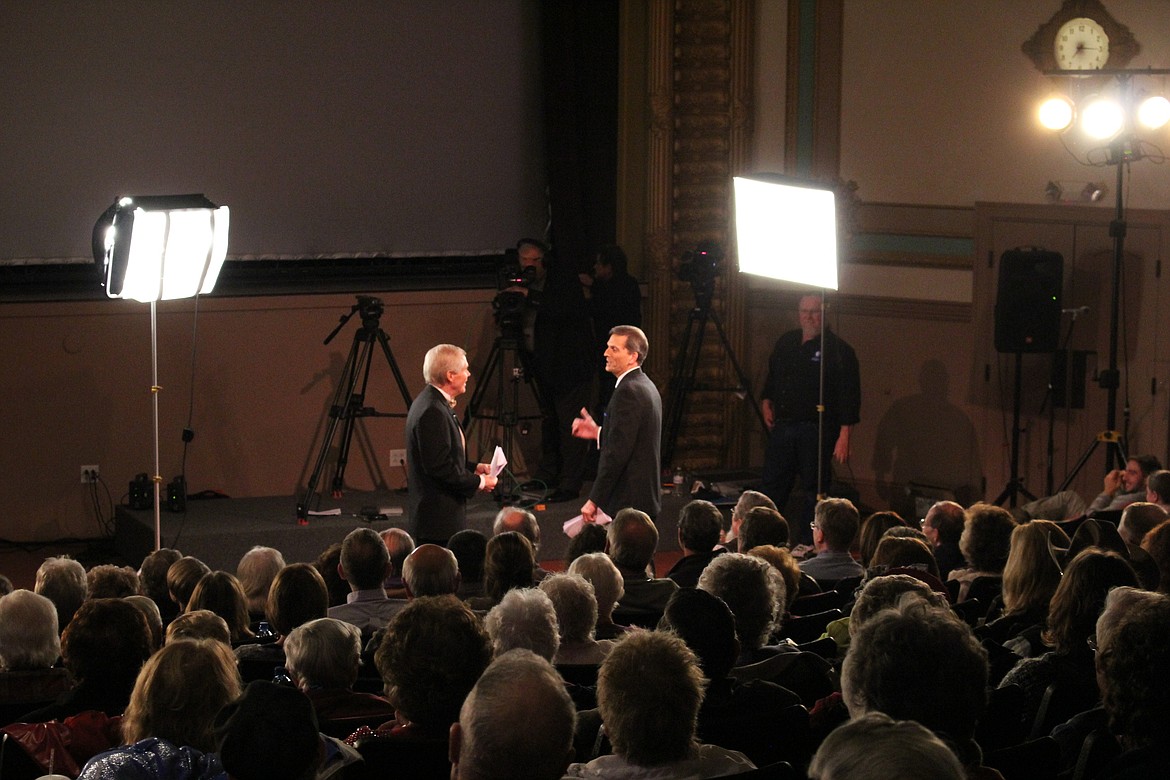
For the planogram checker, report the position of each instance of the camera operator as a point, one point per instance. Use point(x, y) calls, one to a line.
point(558, 335)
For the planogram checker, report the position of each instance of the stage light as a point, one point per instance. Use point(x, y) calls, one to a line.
point(1154, 112)
point(786, 229)
point(1102, 118)
point(1056, 113)
point(160, 247)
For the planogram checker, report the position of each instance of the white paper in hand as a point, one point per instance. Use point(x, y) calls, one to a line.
point(573, 526)
point(499, 460)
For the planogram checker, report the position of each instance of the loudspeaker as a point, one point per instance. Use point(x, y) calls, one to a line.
point(1027, 301)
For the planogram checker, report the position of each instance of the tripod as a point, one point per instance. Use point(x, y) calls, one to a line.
point(686, 364)
point(1015, 485)
point(508, 365)
point(349, 401)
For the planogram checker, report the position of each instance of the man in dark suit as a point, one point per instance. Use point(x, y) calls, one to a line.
point(440, 477)
point(630, 435)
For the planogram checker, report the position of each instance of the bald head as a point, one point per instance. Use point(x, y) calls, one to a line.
point(944, 523)
point(523, 522)
point(430, 570)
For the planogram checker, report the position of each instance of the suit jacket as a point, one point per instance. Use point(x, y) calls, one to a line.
point(439, 476)
point(629, 470)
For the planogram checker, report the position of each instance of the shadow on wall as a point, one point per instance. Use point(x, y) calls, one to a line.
point(927, 440)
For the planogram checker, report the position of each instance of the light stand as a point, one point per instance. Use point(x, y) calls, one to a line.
point(161, 247)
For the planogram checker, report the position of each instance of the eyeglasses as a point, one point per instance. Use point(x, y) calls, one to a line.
point(1092, 642)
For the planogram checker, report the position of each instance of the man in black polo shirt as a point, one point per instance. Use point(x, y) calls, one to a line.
point(790, 399)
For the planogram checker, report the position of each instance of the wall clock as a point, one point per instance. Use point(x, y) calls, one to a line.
point(1081, 36)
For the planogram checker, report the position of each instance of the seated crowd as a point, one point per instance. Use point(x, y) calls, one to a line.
point(981, 643)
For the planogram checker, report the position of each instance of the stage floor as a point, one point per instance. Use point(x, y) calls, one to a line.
point(219, 531)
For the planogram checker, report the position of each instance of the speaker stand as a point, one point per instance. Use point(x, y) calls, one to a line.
point(1015, 486)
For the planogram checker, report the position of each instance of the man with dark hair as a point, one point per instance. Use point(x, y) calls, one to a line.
point(559, 339)
point(365, 563)
point(1158, 489)
point(632, 542)
point(698, 536)
point(523, 522)
point(943, 526)
point(794, 410)
point(834, 529)
point(760, 526)
point(630, 437)
point(430, 571)
point(614, 298)
point(1120, 488)
point(399, 545)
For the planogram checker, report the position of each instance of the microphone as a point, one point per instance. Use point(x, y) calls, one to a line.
point(1076, 311)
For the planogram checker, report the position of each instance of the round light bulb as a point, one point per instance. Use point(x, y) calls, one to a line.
point(1102, 119)
point(1154, 112)
point(1056, 113)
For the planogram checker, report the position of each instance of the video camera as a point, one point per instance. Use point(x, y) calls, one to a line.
point(701, 266)
point(508, 305)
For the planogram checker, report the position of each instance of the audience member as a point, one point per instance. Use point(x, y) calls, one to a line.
point(748, 500)
point(1157, 545)
point(256, 570)
point(486, 743)
point(510, 563)
point(399, 544)
point(1158, 489)
point(152, 581)
point(920, 662)
point(431, 655)
point(524, 618)
point(62, 581)
point(271, 731)
point(28, 632)
point(150, 611)
point(5, 585)
point(986, 541)
point(107, 581)
point(782, 561)
point(470, 549)
point(1133, 664)
point(1030, 577)
point(103, 647)
point(296, 596)
point(877, 747)
point(835, 527)
point(1072, 620)
point(943, 526)
point(744, 716)
point(365, 564)
point(430, 570)
point(873, 528)
point(182, 577)
point(322, 658)
point(576, 613)
point(168, 726)
point(200, 624)
point(221, 593)
point(328, 565)
point(762, 525)
point(633, 538)
point(608, 589)
point(1121, 487)
point(592, 538)
point(699, 523)
point(523, 522)
point(649, 691)
point(1137, 520)
point(904, 552)
point(754, 591)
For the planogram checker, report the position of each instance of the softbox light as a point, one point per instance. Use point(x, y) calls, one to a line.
point(161, 247)
point(786, 229)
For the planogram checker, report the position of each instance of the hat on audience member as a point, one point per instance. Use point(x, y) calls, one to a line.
point(270, 731)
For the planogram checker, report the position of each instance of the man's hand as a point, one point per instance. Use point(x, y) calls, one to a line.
point(1113, 481)
point(483, 468)
point(489, 482)
point(841, 450)
point(584, 427)
point(589, 512)
point(769, 413)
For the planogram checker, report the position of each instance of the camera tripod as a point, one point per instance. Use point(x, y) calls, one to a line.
point(508, 365)
point(349, 401)
point(686, 364)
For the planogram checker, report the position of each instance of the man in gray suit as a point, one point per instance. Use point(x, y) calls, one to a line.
point(440, 477)
point(630, 434)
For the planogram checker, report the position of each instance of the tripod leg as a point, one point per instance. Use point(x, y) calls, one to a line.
point(680, 385)
point(384, 340)
point(743, 380)
point(353, 411)
point(482, 384)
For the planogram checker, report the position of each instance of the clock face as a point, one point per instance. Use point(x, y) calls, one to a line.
point(1081, 44)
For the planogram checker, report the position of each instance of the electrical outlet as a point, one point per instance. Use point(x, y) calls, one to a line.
point(89, 474)
point(397, 458)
